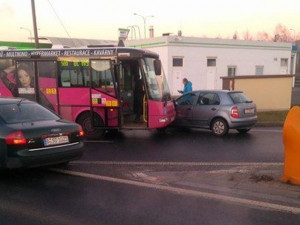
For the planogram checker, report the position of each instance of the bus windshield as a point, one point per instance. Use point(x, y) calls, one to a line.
point(158, 88)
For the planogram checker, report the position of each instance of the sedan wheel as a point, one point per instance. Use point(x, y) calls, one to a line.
point(219, 127)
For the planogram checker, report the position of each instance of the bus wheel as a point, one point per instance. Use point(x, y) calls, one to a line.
point(162, 129)
point(85, 121)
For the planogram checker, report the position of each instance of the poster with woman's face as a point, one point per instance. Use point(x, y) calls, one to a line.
point(25, 78)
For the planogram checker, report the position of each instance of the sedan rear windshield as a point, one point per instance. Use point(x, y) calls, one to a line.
point(25, 112)
point(239, 97)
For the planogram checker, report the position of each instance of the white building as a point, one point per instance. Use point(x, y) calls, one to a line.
point(203, 61)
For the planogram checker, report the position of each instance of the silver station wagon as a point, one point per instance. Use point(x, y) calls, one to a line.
point(216, 110)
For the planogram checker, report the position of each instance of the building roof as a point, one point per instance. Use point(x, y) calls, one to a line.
point(77, 42)
point(207, 42)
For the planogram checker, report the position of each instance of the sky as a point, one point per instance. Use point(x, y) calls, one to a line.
point(100, 19)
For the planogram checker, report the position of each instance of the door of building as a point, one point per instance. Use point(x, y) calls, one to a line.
point(211, 73)
point(177, 80)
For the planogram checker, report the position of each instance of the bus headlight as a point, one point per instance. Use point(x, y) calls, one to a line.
point(165, 111)
point(163, 120)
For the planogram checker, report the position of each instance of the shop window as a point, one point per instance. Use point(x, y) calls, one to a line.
point(211, 62)
point(177, 62)
point(284, 62)
point(231, 71)
point(259, 70)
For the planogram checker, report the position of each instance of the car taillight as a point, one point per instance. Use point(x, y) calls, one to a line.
point(234, 112)
point(81, 132)
point(16, 138)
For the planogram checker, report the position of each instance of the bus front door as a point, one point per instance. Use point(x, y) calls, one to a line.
point(132, 100)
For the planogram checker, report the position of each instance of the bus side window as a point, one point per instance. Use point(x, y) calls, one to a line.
point(76, 78)
point(73, 73)
point(65, 78)
point(86, 77)
point(102, 76)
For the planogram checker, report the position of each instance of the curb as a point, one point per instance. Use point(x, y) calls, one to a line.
point(269, 124)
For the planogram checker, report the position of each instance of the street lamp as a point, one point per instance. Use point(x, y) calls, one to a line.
point(30, 32)
point(144, 19)
point(133, 30)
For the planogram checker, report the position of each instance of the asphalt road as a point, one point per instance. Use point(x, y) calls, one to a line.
point(99, 195)
point(44, 198)
point(260, 145)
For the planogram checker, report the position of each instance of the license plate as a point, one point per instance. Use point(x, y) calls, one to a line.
point(56, 140)
point(249, 111)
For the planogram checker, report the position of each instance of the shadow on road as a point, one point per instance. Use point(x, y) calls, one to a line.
point(173, 134)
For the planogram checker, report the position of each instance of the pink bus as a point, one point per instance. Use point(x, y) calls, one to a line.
point(101, 88)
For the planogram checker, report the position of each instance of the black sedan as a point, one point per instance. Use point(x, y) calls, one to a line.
point(31, 135)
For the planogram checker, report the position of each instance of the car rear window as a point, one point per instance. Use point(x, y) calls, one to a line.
point(239, 97)
point(25, 112)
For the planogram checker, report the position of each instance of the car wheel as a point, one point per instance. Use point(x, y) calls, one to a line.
point(243, 131)
point(91, 132)
point(162, 129)
point(219, 127)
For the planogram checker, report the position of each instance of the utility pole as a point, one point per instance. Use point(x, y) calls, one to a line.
point(36, 38)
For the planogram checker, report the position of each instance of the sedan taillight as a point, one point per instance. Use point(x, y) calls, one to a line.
point(81, 132)
point(234, 112)
point(15, 138)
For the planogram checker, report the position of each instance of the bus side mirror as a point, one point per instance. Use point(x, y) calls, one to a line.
point(157, 67)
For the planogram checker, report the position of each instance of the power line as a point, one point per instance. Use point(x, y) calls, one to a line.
point(62, 24)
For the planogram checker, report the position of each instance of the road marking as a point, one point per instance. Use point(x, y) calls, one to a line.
point(132, 163)
point(181, 191)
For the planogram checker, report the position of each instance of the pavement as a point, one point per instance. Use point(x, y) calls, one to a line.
point(296, 96)
point(249, 184)
point(259, 182)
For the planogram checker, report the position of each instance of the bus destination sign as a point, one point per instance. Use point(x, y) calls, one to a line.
point(57, 53)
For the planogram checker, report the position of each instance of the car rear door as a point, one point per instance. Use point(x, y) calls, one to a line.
point(205, 109)
point(184, 109)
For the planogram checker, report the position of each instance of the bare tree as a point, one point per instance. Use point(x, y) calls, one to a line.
point(219, 36)
point(282, 34)
point(247, 36)
point(263, 36)
point(235, 36)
